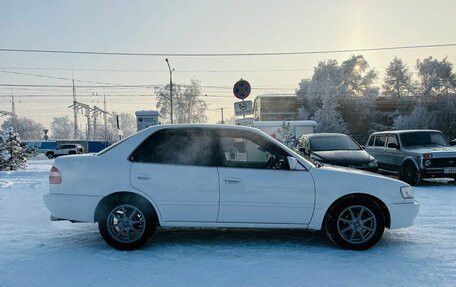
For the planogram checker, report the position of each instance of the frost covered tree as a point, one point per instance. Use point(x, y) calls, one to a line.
point(419, 118)
point(12, 157)
point(329, 119)
point(188, 106)
point(398, 80)
point(62, 128)
point(350, 85)
point(436, 77)
point(27, 129)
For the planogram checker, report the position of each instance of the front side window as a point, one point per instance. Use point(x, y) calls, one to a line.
point(177, 146)
point(392, 139)
point(251, 151)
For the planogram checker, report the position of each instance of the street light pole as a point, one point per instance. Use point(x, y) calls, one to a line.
point(170, 88)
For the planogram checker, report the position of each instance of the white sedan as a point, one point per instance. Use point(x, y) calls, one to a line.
point(221, 176)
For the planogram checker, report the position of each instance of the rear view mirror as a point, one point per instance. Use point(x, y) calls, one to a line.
point(292, 162)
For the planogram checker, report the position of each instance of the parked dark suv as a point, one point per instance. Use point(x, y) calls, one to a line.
point(414, 154)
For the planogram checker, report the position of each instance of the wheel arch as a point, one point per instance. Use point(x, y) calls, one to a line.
point(409, 160)
point(105, 201)
point(379, 202)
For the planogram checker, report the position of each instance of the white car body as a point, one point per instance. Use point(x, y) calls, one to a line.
point(215, 196)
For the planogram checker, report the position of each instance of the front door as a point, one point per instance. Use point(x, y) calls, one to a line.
point(256, 184)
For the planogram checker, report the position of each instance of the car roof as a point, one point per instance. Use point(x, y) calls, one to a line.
point(403, 132)
point(324, 135)
point(205, 126)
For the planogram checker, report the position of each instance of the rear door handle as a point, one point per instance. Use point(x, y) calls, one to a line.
point(143, 176)
point(232, 180)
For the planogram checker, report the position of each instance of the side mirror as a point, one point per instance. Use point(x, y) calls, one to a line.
point(393, 145)
point(292, 162)
point(363, 147)
point(453, 142)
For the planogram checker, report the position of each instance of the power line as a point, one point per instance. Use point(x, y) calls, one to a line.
point(227, 54)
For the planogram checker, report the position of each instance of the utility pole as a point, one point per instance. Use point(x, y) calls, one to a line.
point(96, 113)
point(223, 122)
point(105, 116)
point(81, 106)
point(13, 111)
point(170, 87)
point(75, 112)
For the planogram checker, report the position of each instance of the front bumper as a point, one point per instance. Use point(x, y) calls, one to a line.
point(403, 214)
point(436, 173)
point(71, 207)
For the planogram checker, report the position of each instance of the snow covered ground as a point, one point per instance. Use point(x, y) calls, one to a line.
point(37, 252)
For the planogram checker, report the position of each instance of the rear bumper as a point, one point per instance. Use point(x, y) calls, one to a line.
point(71, 207)
point(403, 214)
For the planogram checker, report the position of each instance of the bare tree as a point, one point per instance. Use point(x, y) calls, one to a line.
point(188, 107)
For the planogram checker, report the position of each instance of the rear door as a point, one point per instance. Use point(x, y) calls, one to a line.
point(177, 169)
point(256, 184)
point(378, 149)
point(392, 158)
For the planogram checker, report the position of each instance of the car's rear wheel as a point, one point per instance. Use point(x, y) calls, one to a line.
point(355, 223)
point(128, 223)
point(50, 155)
point(410, 174)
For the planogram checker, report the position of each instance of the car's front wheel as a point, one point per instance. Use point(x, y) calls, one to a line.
point(127, 223)
point(50, 155)
point(355, 223)
point(410, 174)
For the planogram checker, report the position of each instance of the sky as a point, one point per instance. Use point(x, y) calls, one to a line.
point(199, 27)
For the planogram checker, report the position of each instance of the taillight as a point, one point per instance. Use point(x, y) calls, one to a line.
point(54, 176)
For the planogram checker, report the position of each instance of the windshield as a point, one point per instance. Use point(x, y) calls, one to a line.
point(424, 139)
point(323, 143)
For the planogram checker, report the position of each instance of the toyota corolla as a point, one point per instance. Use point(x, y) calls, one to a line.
point(221, 176)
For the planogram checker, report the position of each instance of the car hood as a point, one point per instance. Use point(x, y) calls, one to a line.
point(343, 157)
point(447, 150)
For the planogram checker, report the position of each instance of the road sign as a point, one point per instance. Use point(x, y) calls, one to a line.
point(243, 108)
point(244, 122)
point(241, 89)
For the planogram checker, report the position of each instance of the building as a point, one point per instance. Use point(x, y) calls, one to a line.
point(276, 108)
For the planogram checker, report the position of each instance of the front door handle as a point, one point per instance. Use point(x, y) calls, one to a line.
point(232, 180)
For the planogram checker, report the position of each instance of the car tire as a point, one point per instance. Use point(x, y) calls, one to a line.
point(128, 223)
point(50, 155)
point(71, 152)
point(410, 174)
point(355, 223)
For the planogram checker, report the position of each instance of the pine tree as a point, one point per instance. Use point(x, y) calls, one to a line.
point(12, 157)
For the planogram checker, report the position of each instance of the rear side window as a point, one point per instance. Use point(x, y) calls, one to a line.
point(380, 140)
point(182, 147)
point(371, 141)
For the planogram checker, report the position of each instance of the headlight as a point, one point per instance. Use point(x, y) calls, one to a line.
point(373, 164)
point(407, 192)
point(427, 163)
